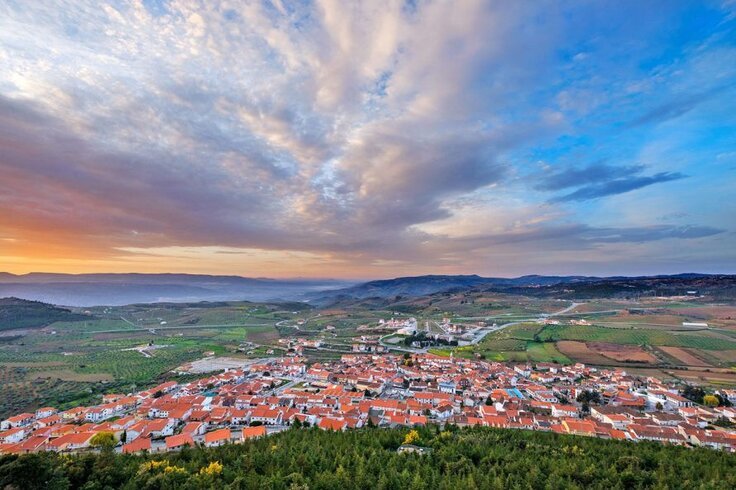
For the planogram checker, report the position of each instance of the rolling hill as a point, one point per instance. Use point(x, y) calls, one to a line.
point(20, 313)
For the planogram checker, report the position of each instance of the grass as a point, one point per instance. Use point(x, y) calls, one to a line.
point(632, 336)
point(524, 351)
point(546, 352)
point(83, 359)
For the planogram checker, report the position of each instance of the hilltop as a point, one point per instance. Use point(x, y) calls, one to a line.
point(567, 287)
point(20, 313)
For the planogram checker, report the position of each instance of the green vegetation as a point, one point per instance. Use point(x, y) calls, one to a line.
point(368, 459)
point(545, 352)
point(73, 362)
point(632, 336)
point(84, 352)
point(519, 343)
point(20, 313)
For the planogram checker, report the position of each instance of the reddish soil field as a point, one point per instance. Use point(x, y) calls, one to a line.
point(623, 353)
point(684, 356)
point(580, 352)
point(724, 355)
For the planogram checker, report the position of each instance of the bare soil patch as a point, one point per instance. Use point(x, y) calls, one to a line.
point(684, 356)
point(580, 352)
point(724, 355)
point(261, 337)
point(623, 353)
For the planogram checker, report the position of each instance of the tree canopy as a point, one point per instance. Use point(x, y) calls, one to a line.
point(368, 458)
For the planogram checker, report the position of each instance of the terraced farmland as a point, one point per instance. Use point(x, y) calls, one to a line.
point(635, 336)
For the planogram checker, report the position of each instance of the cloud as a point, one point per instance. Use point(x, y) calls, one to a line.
point(678, 105)
point(344, 130)
point(592, 174)
point(618, 186)
point(649, 233)
point(599, 180)
point(580, 237)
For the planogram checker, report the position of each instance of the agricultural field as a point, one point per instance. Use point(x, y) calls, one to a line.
point(628, 334)
point(516, 343)
point(125, 348)
point(75, 355)
point(687, 357)
point(623, 353)
point(635, 336)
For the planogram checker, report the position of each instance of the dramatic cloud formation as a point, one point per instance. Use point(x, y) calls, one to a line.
point(364, 139)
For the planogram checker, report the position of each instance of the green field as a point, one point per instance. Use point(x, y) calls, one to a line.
point(632, 336)
point(72, 361)
point(61, 362)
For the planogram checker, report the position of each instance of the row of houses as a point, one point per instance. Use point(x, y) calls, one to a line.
point(380, 390)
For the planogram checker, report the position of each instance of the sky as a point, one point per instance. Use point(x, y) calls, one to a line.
point(348, 139)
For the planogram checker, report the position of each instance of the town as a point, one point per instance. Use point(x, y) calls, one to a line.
point(359, 390)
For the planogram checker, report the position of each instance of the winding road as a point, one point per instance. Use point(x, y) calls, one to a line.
point(482, 332)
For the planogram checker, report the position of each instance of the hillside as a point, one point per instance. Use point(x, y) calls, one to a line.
point(20, 313)
point(423, 285)
point(569, 287)
point(368, 458)
point(719, 287)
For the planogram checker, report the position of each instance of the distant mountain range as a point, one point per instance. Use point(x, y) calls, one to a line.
point(534, 285)
point(121, 289)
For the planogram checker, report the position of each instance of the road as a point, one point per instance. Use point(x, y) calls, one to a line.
point(482, 332)
point(565, 310)
point(480, 337)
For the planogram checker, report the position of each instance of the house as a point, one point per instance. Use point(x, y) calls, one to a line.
point(98, 414)
point(111, 397)
point(447, 387)
point(123, 423)
point(47, 421)
point(76, 413)
point(564, 410)
point(178, 441)
point(657, 433)
point(20, 420)
point(667, 399)
point(417, 420)
point(579, 427)
point(194, 428)
point(136, 430)
point(546, 396)
point(730, 395)
point(525, 371)
point(32, 444)
point(239, 416)
point(329, 423)
point(12, 436)
point(265, 415)
point(217, 438)
point(253, 432)
point(443, 411)
point(138, 445)
point(159, 428)
point(45, 412)
point(72, 442)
